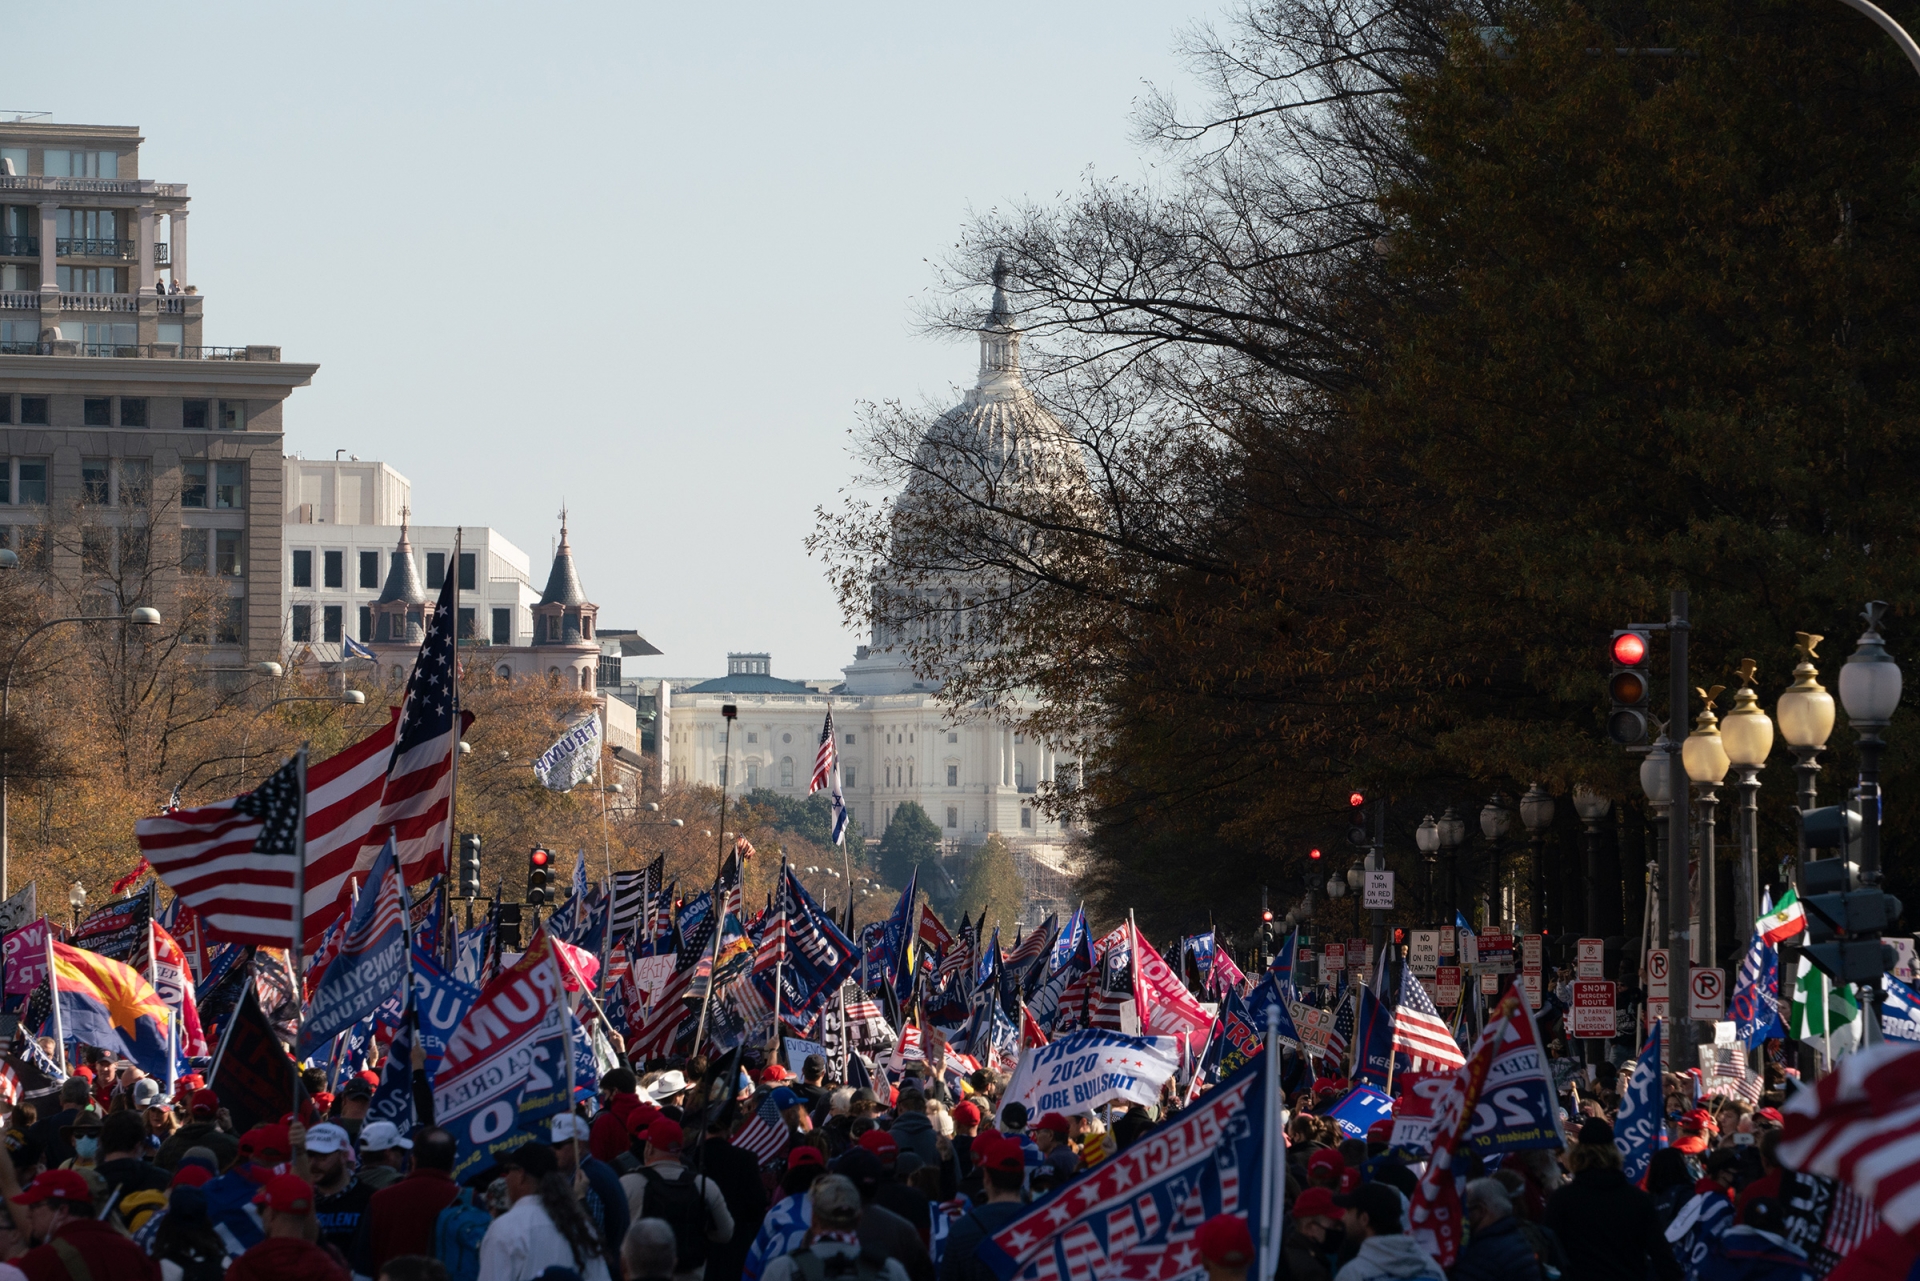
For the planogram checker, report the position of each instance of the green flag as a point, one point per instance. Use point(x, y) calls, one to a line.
point(1818, 1007)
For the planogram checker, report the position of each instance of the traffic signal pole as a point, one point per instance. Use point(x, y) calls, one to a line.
point(1679, 847)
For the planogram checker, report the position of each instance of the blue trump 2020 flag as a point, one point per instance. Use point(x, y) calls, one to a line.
point(1639, 1130)
point(372, 961)
point(1373, 1052)
point(1756, 994)
point(1900, 1011)
point(1137, 1214)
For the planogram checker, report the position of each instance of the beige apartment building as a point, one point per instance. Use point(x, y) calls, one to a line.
point(116, 416)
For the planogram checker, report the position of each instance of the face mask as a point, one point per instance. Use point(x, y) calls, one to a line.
point(86, 1147)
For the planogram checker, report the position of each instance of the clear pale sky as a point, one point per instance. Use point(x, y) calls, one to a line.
point(642, 259)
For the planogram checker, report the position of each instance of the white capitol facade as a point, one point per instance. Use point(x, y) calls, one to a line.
point(899, 741)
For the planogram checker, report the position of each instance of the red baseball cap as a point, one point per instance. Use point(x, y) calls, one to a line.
point(775, 1072)
point(192, 1176)
point(665, 1135)
point(265, 1140)
point(57, 1185)
point(1326, 1159)
point(1002, 1155)
point(1225, 1242)
point(1316, 1203)
point(802, 1157)
point(967, 1113)
point(1770, 1114)
point(639, 1118)
point(1053, 1121)
point(205, 1102)
point(882, 1145)
point(285, 1194)
point(1381, 1131)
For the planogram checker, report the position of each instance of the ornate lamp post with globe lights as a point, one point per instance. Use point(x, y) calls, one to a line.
point(1870, 691)
point(1805, 712)
point(1496, 820)
point(1536, 815)
point(1426, 838)
point(1747, 734)
point(1704, 756)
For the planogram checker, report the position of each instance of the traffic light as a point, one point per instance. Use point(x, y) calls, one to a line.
point(469, 865)
point(1844, 924)
point(1314, 854)
point(1833, 827)
point(539, 875)
point(1628, 688)
point(508, 922)
point(1357, 819)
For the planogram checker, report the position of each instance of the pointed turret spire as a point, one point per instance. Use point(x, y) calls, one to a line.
point(403, 581)
point(563, 581)
point(999, 340)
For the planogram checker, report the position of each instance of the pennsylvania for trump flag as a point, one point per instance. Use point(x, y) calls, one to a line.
point(371, 963)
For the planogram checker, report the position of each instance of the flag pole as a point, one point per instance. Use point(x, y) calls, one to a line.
point(53, 990)
point(779, 954)
point(300, 907)
point(459, 737)
point(718, 908)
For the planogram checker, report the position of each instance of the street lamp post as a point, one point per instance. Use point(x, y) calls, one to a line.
point(77, 900)
point(352, 698)
point(1704, 756)
point(1453, 834)
point(1495, 822)
point(1870, 691)
point(1426, 838)
point(1805, 712)
point(1536, 815)
point(142, 616)
point(1656, 780)
point(1748, 735)
point(1356, 881)
point(1592, 807)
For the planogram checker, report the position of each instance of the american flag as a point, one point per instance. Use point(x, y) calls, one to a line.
point(765, 1133)
point(632, 890)
point(233, 861)
point(773, 935)
point(417, 803)
point(1030, 947)
point(658, 1028)
point(1419, 1030)
point(1342, 1030)
point(1861, 1125)
point(826, 760)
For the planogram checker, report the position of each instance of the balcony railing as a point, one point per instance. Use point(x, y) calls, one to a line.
point(161, 251)
point(139, 351)
point(99, 302)
point(76, 247)
point(93, 186)
point(169, 305)
point(20, 246)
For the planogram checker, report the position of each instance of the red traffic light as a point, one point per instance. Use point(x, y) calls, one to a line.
point(1630, 649)
point(1313, 854)
point(1356, 800)
point(1266, 916)
point(538, 858)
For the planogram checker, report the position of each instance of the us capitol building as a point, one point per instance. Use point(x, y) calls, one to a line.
point(899, 741)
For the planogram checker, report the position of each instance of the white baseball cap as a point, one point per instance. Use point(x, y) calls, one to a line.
point(566, 1126)
point(379, 1136)
point(328, 1137)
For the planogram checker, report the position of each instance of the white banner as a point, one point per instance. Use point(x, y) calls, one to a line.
point(1083, 1070)
point(574, 758)
point(19, 910)
point(797, 1051)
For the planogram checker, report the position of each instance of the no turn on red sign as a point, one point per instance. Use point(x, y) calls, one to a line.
point(1707, 993)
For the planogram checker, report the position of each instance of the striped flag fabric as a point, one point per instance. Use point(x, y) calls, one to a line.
point(826, 760)
point(653, 1036)
point(1341, 1033)
point(416, 805)
point(631, 890)
point(233, 862)
point(1420, 1032)
point(1783, 922)
point(765, 1133)
point(1861, 1125)
point(772, 949)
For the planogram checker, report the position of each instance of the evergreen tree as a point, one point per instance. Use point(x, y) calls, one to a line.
point(993, 890)
point(808, 817)
point(911, 838)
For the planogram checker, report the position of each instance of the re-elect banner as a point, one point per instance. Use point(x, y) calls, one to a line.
point(1357, 1113)
point(1083, 1070)
point(1517, 1109)
point(499, 1054)
point(371, 964)
point(1637, 1131)
point(1136, 1215)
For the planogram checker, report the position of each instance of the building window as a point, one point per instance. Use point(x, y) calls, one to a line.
point(64, 163)
point(586, 679)
point(227, 491)
point(464, 624)
point(35, 549)
point(6, 406)
point(1020, 775)
point(720, 771)
point(226, 626)
point(369, 569)
point(331, 618)
point(193, 484)
point(33, 480)
point(133, 411)
point(226, 553)
point(786, 771)
point(91, 280)
point(436, 570)
point(302, 624)
point(33, 411)
point(135, 482)
point(302, 569)
point(334, 566)
point(853, 777)
point(94, 482)
point(953, 779)
point(505, 673)
point(1026, 817)
point(233, 415)
point(467, 571)
point(753, 775)
point(96, 550)
point(909, 773)
point(953, 736)
point(366, 624)
point(193, 551)
point(953, 816)
point(503, 627)
point(849, 740)
point(97, 411)
point(753, 738)
point(196, 415)
point(133, 550)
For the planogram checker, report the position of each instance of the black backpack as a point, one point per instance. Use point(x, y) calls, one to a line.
point(857, 1267)
point(681, 1202)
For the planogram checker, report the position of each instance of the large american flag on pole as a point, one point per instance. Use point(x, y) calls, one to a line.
point(417, 805)
point(826, 760)
point(233, 862)
point(1421, 1033)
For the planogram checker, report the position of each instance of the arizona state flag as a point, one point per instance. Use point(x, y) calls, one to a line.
point(108, 1005)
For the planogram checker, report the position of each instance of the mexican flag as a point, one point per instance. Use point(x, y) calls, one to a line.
point(1784, 921)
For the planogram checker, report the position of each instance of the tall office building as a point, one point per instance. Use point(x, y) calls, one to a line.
point(129, 442)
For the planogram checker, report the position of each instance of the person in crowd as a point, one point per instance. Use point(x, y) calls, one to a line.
point(1374, 1224)
point(1497, 1249)
point(604, 1199)
point(886, 1187)
point(1003, 1167)
point(834, 1238)
point(1767, 1186)
point(383, 1154)
point(788, 1220)
point(793, 1109)
point(400, 1219)
point(608, 1134)
point(647, 1252)
point(76, 1095)
point(1310, 1250)
point(966, 1124)
point(1226, 1247)
point(341, 1198)
point(122, 1158)
point(202, 1130)
point(544, 1226)
point(286, 1250)
point(737, 1174)
point(691, 1204)
point(1608, 1228)
point(184, 1242)
point(912, 1130)
point(812, 1086)
point(838, 1129)
point(1669, 1183)
point(1050, 1135)
point(59, 1206)
point(230, 1197)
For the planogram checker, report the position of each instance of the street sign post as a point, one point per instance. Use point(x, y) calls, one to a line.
point(1659, 971)
point(1592, 1013)
point(1532, 953)
point(1446, 985)
point(1336, 957)
point(1589, 958)
point(1707, 992)
point(1379, 892)
point(1424, 954)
